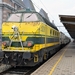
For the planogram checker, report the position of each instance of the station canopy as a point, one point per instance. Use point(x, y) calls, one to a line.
point(69, 23)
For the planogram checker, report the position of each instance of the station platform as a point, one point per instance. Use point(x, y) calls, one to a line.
point(62, 63)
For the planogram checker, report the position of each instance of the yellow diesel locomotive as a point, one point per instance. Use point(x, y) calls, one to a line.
point(28, 39)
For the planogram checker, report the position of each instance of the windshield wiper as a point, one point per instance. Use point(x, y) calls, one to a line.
point(29, 15)
point(17, 15)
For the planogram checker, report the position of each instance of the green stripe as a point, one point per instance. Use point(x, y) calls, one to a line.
point(48, 40)
point(5, 39)
point(36, 40)
point(41, 40)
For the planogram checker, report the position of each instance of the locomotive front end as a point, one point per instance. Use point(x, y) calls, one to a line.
point(28, 38)
point(18, 39)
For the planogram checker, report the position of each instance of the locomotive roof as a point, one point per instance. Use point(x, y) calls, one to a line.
point(44, 19)
point(25, 11)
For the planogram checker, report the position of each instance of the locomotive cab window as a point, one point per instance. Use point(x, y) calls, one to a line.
point(30, 17)
point(16, 19)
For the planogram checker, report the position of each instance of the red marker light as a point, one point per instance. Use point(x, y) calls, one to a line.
point(29, 44)
point(4, 43)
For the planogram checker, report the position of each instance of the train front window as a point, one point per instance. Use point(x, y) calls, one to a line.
point(30, 17)
point(15, 17)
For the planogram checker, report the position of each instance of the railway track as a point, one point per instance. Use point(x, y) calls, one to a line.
point(18, 71)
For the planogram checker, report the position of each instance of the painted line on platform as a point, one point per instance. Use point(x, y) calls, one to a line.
point(53, 68)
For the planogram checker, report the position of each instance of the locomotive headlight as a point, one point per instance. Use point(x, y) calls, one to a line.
point(5, 43)
point(16, 35)
point(28, 43)
point(15, 28)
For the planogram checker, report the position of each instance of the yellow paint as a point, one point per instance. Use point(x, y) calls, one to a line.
point(23, 27)
point(26, 29)
point(53, 68)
